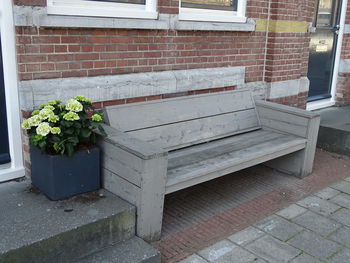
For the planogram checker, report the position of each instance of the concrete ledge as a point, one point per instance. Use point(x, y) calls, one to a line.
point(104, 88)
point(287, 88)
point(215, 26)
point(38, 17)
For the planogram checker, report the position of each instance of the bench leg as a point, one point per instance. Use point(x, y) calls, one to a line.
point(151, 199)
point(298, 164)
point(301, 162)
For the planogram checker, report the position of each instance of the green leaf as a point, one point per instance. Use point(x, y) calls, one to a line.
point(69, 148)
point(85, 133)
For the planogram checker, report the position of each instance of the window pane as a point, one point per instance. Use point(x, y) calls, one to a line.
point(227, 5)
point(324, 15)
point(139, 2)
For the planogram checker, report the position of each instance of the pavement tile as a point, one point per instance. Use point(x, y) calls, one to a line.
point(291, 211)
point(246, 236)
point(342, 186)
point(342, 200)
point(194, 259)
point(314, 244)
point(305, 258)
point(342, 235)
point(227, 252)
point(272, 250)
point(327, 193)
point(342, 216)
point(278, 227)
point(317, 223)
point(319, 205)
point(341, 257)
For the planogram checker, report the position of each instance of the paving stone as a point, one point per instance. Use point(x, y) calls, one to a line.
point(194, 259)
point(327, 193)
point(341, 257)
point(314, 244)
point(342, 200)
point(272, 250)
point(278, 227)
point(342, 186)
point(227, 252)
point(246, 236)
point(291, 211)
point(319, 205)
point(317, 223)
point(342, 216)
point(305, 258)
point(342, 235)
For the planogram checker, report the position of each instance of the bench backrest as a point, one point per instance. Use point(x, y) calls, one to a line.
point(183, 121)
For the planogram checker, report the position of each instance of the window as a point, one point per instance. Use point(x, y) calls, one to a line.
point(213, 10)
point(104, 8)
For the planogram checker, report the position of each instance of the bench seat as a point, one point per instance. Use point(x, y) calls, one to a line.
point(193, 165)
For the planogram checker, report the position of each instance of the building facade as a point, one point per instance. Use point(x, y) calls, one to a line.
point(293, 52)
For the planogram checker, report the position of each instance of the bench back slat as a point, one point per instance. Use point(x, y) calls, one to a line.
point(183, 121)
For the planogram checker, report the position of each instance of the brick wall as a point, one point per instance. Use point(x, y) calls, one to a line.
point(55, 53)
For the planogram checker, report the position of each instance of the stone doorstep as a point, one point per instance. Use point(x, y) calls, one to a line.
point(35, 229)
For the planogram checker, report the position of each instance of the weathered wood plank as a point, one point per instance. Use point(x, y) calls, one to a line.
point(216, 148)
point(143, 115)
point(130, 144)
point(178, 135)
point(121, 162)
point(205, 170)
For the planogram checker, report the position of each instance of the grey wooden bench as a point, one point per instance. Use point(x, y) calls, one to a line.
point(158, 147)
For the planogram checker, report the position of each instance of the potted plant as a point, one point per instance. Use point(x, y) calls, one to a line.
point(65, 160)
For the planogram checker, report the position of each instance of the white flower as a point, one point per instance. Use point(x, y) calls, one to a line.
point(55, 130)
point(43, 129)
point(96, 117)
point(26, 125)
point(71, 116)
point(34, 120)
point(45, 113)
point(74, 105)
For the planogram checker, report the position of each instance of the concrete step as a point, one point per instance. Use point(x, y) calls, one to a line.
point(334, 133)
point(134, 250)
point(35, 229)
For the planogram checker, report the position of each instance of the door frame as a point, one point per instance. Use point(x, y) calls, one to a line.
point(15, 169)
point(319, 104)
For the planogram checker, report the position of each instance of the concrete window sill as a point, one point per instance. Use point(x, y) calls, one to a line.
point(38, 17)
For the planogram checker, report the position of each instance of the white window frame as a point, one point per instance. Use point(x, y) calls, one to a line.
point(196, 14)
point(15, 168)
point(102, 9)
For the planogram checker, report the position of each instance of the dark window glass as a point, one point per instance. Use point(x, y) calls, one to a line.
point(225, 5)
point(138, 2)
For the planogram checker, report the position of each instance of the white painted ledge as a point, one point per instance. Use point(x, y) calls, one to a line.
point(215, 26)
point(38, 17)
point(114, 87)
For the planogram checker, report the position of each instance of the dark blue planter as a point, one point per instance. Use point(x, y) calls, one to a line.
point(60, 176)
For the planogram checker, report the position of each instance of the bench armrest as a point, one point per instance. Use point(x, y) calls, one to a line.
point(288, 119)
point(286, 109)
point(130, 144)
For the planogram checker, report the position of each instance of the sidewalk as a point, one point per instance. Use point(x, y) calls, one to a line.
point(200, 216)
point(315, 229)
